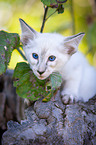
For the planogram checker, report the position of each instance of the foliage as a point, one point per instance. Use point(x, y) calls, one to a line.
point(26, 83)
point(28, 86)
point(58, 4)
point(80, 13)
point(8, 42)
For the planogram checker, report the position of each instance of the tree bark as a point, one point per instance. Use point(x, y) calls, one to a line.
point(11, 105)
point(54, 123)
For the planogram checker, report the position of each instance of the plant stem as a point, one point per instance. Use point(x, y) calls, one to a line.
point(43, 23)
point(44, 19)
point(51, 15)
point(42, 27)
point(18, 49)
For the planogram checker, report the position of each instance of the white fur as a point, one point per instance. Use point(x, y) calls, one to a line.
point(79, 78)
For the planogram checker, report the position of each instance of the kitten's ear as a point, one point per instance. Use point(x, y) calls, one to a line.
point(27, 32)
point(71, 43)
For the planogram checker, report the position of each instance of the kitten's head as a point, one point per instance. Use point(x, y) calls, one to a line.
point(47, 52)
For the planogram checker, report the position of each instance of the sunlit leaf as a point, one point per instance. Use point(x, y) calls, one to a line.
point(55, 4)
point(30, 87)
point(56, 80)
point(61, 1)
point(8, 42)
point(49, 2)
point(26, 83)
point(60, 9)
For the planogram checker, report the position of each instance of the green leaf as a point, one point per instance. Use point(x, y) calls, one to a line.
point(53, 3)
point(56, 80)
point(60, 9)
point(30, 87)
point(8, 42)
point(26, 83)
point(61, 1)
point(49, 2)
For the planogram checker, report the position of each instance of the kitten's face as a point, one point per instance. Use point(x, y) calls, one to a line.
point(47, 52)
point(44, 56)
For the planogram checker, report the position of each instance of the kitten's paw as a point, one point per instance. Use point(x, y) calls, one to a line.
point(68, 99)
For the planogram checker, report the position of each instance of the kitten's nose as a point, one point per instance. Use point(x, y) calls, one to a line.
point(40, 72)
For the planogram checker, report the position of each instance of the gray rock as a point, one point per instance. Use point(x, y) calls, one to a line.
point(54, 123)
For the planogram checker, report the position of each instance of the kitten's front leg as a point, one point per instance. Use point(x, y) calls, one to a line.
point(70, 90)
point(71, 85)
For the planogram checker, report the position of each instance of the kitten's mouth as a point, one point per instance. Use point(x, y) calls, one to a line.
point(41, 77)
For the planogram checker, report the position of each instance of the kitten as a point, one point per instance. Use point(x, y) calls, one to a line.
point(51, 52)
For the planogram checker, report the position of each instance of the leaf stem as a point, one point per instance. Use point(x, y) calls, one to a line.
point(51, 15)
point(18, 49)
point(44, 18)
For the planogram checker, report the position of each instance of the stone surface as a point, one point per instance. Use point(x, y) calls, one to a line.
point(54, 123)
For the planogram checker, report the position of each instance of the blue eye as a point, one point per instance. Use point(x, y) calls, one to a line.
point(35, 56)
point(51, 58)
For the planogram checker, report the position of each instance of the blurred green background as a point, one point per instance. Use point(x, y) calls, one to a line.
point(78, 16)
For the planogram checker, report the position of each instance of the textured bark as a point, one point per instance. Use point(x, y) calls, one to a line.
point(54, 123)
point(11, 105)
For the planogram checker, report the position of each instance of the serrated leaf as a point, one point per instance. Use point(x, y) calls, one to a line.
point(26, 83)
point(55, 4)
point(49, 2)
point(30, 87)
point(8, 42)
point(56, 80)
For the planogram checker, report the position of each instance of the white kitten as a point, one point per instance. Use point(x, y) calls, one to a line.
point(51, 52)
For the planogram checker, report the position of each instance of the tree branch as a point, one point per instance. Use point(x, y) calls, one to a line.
point(44, 19)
